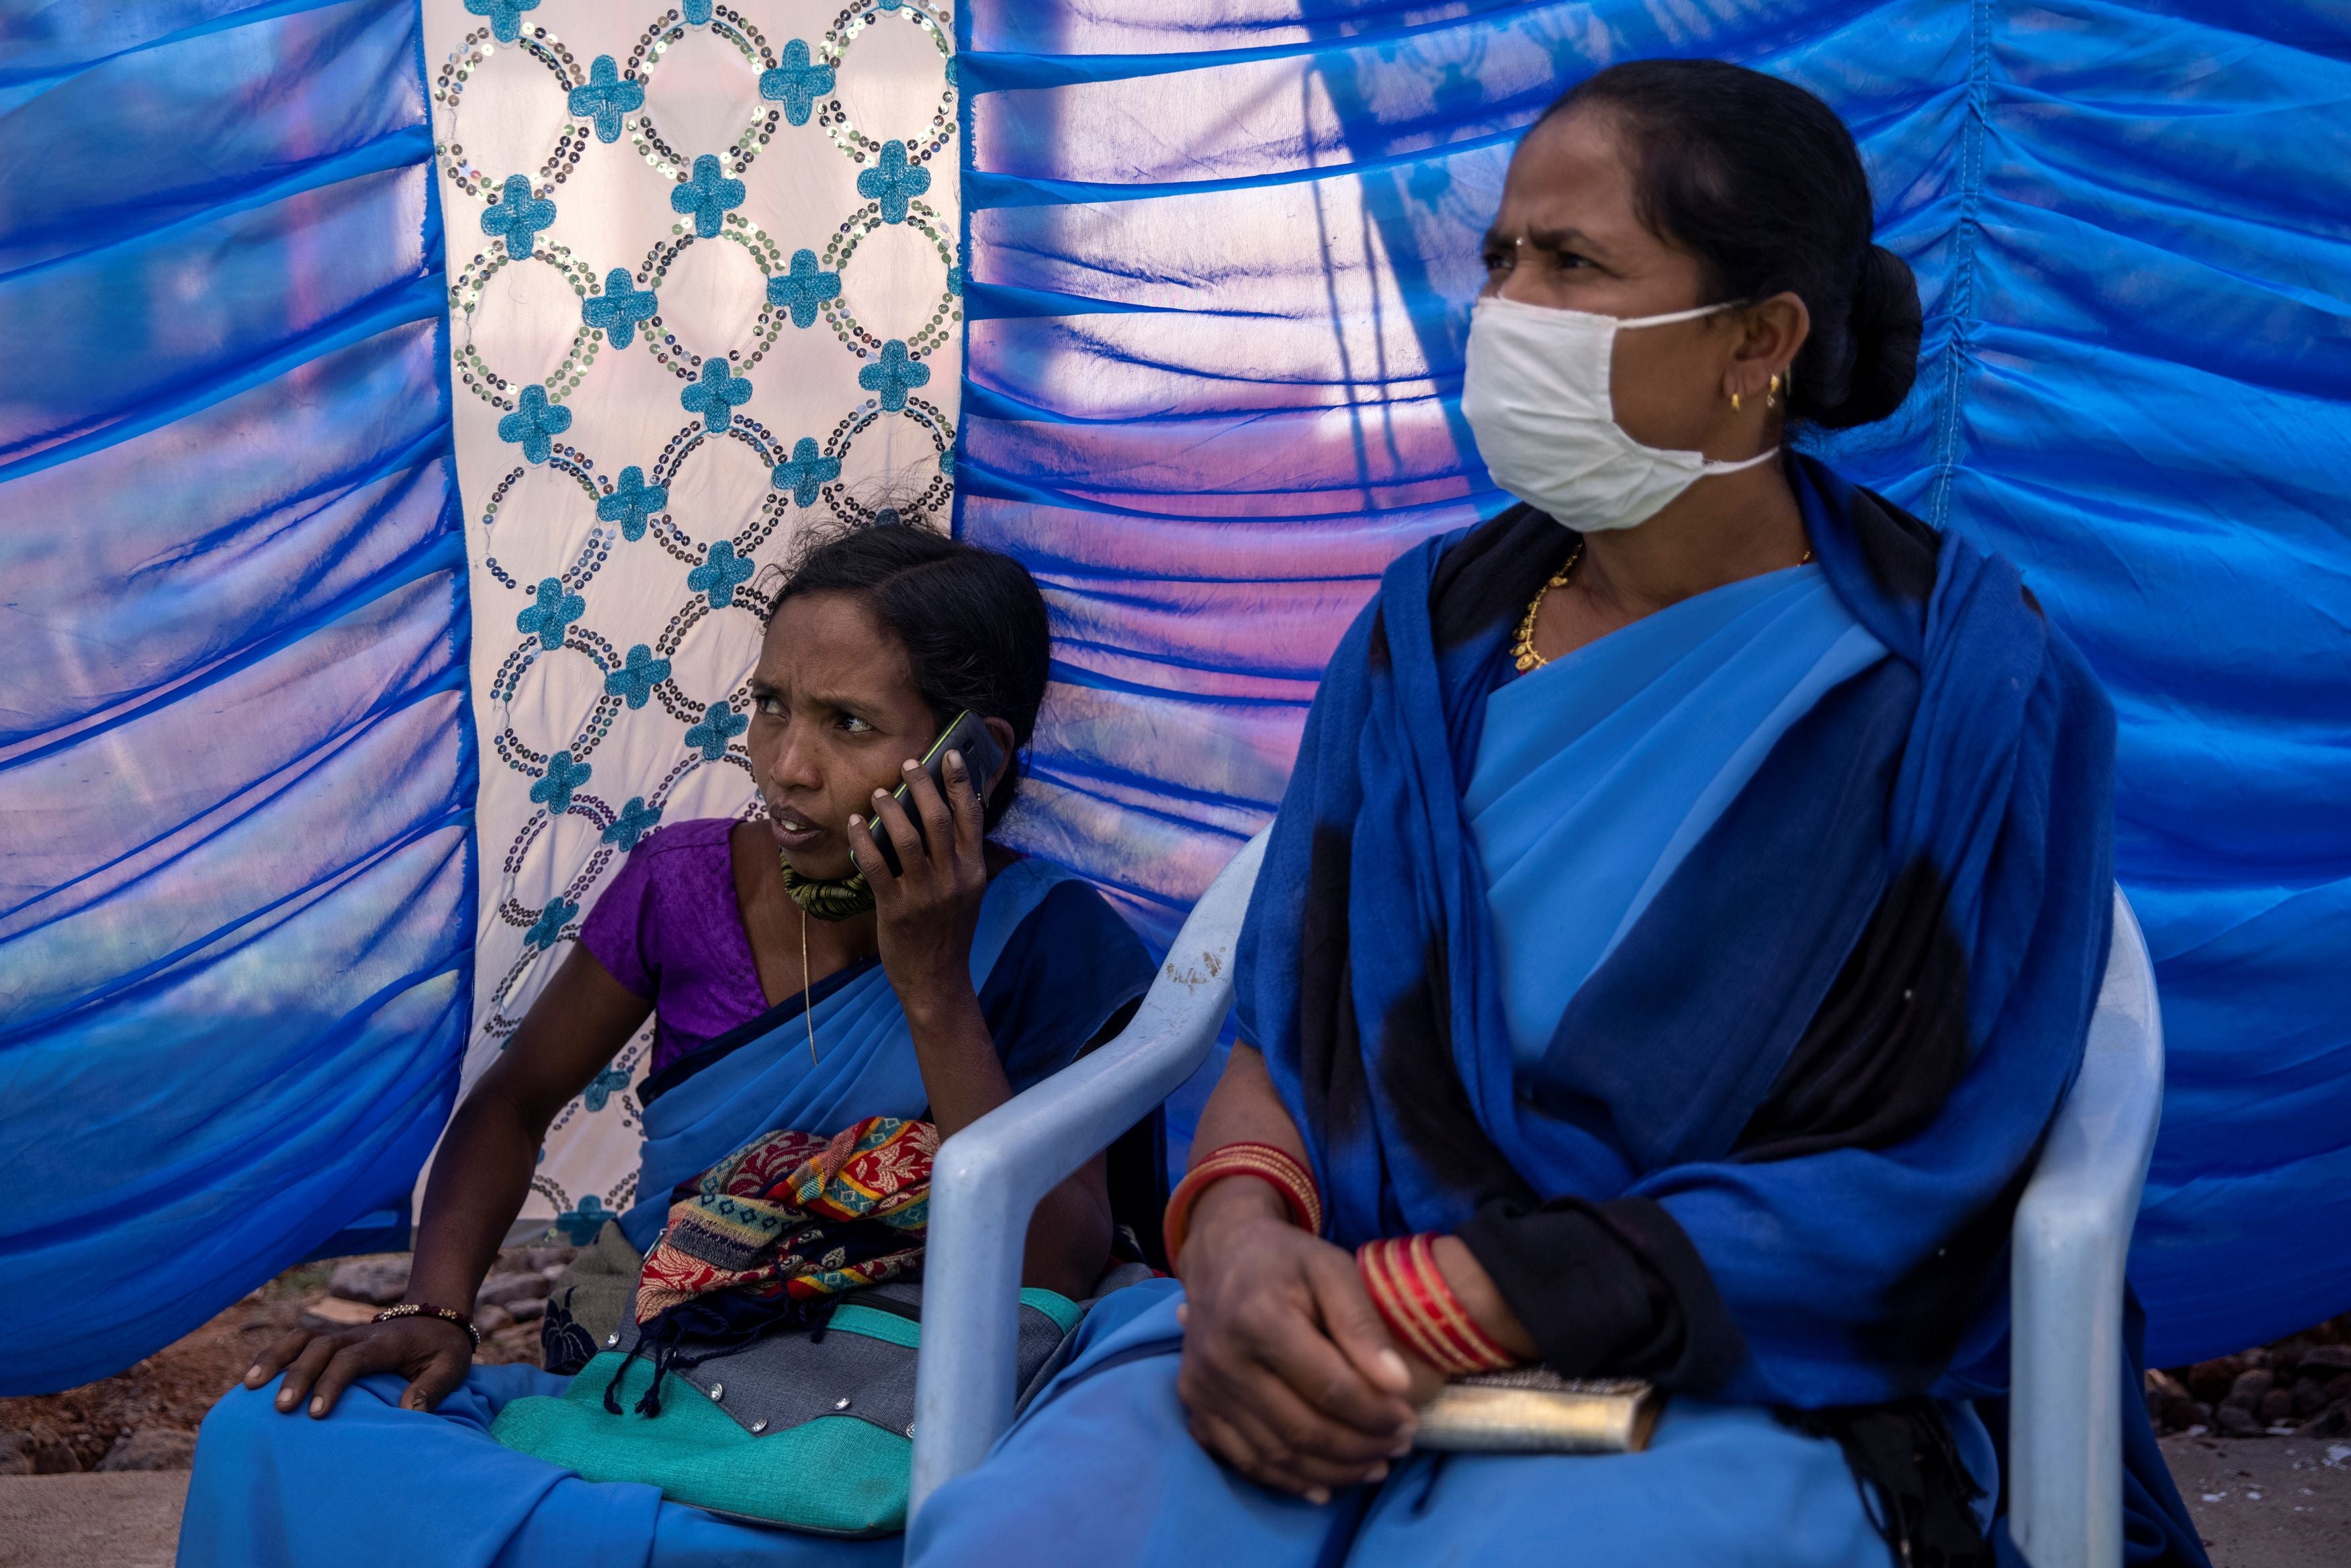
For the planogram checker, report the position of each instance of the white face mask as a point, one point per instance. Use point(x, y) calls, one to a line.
point(1535, 392)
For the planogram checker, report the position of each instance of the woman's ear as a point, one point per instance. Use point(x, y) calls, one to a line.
point(1000, 731)
point(1775, 330)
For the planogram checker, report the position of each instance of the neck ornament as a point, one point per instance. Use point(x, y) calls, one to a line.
point(828, 898)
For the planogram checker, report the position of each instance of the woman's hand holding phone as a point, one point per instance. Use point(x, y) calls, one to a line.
point(927, 910)
point(967, 734)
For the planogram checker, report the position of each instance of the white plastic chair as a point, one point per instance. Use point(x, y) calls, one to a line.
point(2073, 1229)
point(2071, 1237)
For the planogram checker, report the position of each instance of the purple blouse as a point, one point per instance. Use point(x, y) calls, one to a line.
point(670, 930)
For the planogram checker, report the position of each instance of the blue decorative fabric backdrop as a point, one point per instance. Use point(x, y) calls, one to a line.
point(1220, 257)
point(235, 777)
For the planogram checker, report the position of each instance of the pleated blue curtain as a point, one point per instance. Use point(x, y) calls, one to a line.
point(1221, 257)
point(235, 882)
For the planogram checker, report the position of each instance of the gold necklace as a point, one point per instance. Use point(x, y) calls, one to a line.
point(808, 1008)
point(1522, 647)
point(837, 900)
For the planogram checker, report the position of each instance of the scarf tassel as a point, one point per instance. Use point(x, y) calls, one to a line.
point(1915, 1489)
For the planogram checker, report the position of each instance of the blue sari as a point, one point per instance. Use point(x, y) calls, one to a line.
point(1596, 774)
point(374, 1483)
point(1607, 945)
point(755, 1080)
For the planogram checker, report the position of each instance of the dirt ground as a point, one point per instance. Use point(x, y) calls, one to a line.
point(170, 1390)
point(127, 1520)
point(2275, 1504)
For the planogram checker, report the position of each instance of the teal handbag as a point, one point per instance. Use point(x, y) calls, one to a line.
point(810, 1430)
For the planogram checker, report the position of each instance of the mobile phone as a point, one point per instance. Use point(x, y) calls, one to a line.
point(966, 733)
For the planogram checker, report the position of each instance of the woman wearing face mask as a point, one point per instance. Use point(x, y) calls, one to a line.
point(797, 982)
point(1680, 927)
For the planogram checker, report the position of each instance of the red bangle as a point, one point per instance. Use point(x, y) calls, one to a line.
point(1401, 1276)
point(1374, 1261)
point(1461, 1329)
point(446, 1315)
point(1268, 1164)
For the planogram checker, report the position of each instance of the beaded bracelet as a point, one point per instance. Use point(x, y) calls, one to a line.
point(1419, 1307)
point(446, 1315)
point(1262, 1160)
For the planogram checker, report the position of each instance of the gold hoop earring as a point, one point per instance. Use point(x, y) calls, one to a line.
point(1734, 402)
point(1772, 398)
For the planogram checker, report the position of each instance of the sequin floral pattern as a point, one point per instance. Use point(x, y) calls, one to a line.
point(704, 291)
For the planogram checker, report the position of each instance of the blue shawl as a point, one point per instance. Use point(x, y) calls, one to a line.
point(1918, 872)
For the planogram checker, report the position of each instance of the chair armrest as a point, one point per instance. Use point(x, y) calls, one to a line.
point(988, 1178)
point(2071, 1241)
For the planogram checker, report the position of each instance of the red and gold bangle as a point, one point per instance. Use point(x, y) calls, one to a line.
point(1402, 1277)
point(446, 1315)
point(1464, 1329)
point(1378, 1264)
point(1262, 1160)
point(1426, 1297)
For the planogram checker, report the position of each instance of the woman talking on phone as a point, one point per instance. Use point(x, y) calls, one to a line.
point(803, 982)
point(1680, 927)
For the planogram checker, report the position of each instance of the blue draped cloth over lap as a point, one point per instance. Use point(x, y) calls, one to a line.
point(375, 1484)
point(1105, 1454)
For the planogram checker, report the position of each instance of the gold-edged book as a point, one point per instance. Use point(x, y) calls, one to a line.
point(1530, 1410)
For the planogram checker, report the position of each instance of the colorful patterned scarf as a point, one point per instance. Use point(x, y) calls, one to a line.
point(773, 1235)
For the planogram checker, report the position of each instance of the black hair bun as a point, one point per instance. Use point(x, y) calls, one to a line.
point(1884, 332)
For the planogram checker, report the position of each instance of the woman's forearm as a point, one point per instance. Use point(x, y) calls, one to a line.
point(481, 1174)
point(480, 1178)
point(1245, 1107)
point(961, 1070)
point(1069, 1236)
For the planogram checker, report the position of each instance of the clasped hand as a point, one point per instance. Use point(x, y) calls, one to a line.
point(1288, 1376)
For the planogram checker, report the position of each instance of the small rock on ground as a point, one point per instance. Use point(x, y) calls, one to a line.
point(505, 1288)
point(156, 1448)
point(2298, 1386)
point(379, 1280)
point(38, 1454)
point(331, 1312)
